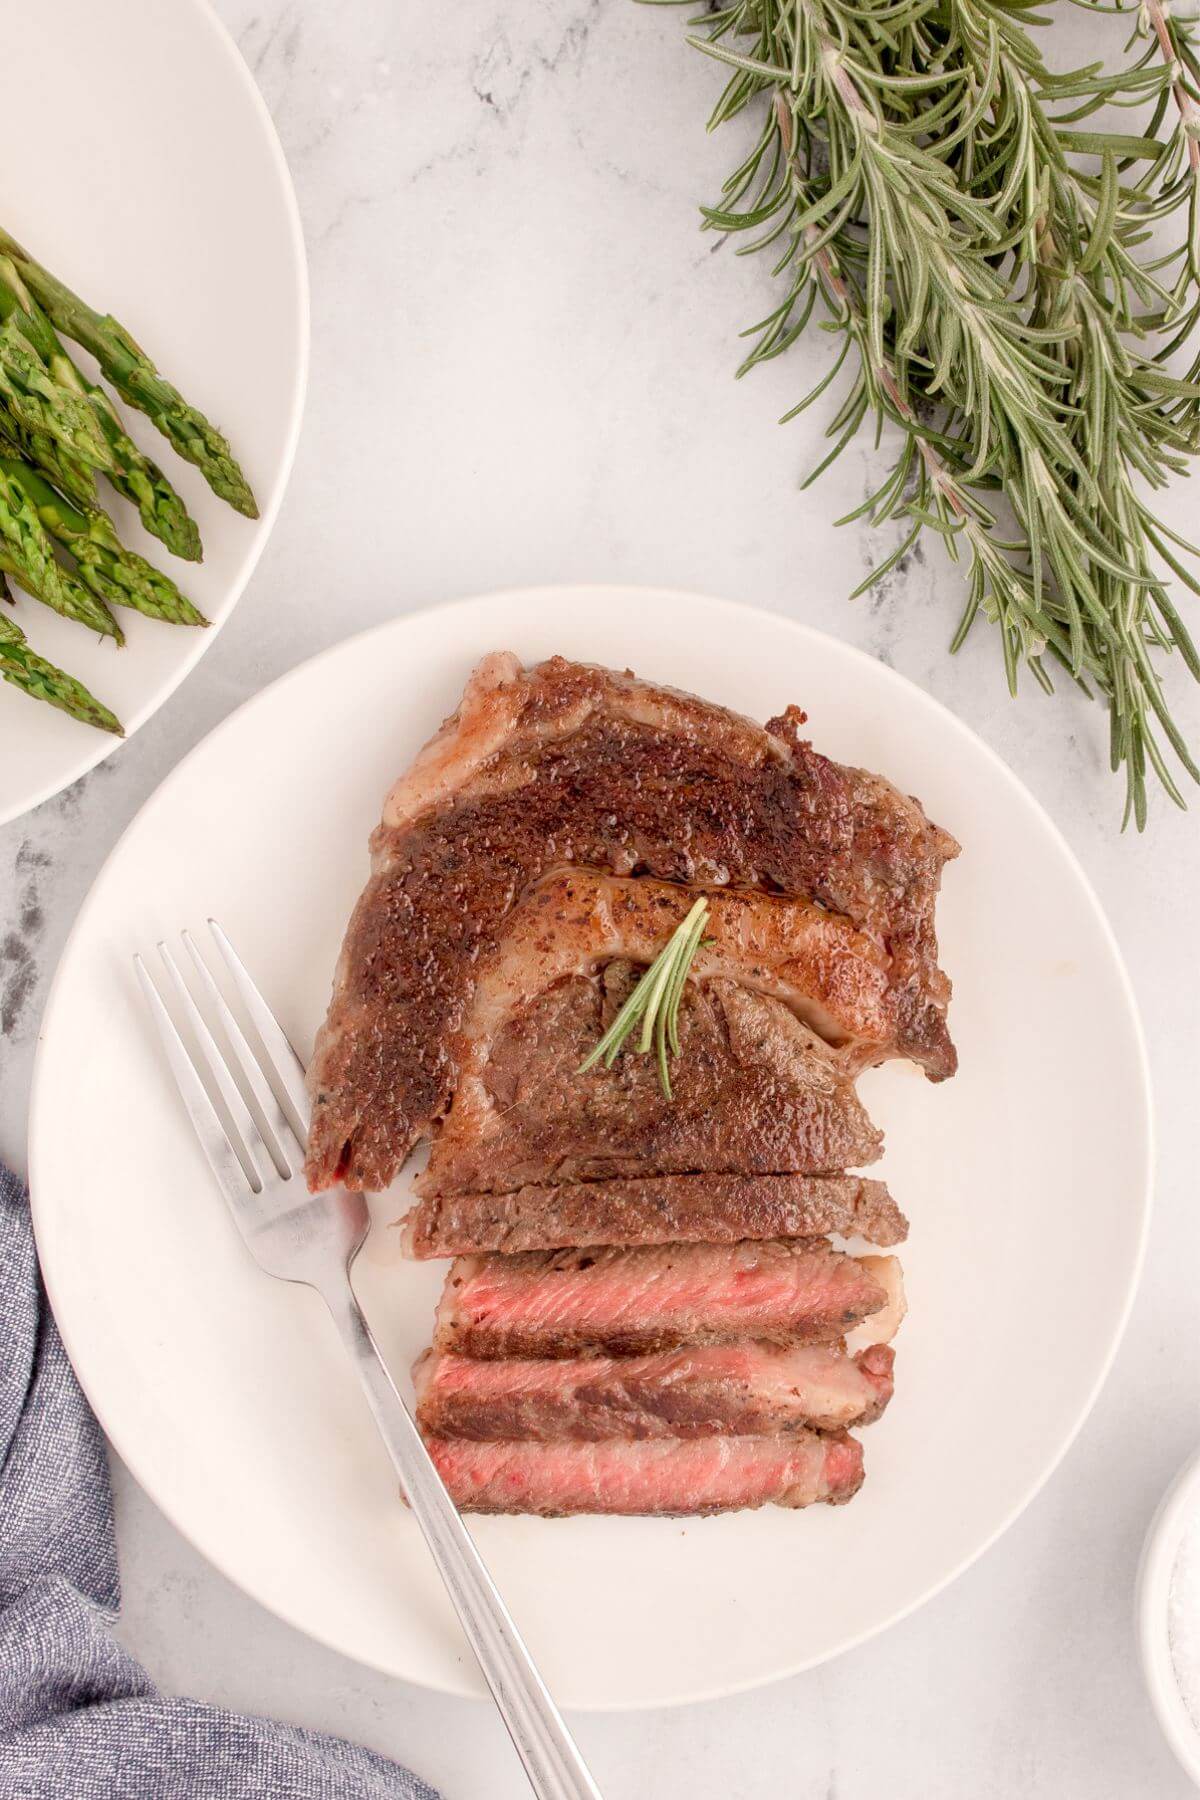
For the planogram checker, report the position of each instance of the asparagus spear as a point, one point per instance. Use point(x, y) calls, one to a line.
point(142, 481)
point(42, 404)
point(66, 472)
point(27, 554)
point(70, 598)
point(136, 379)
point(116, 575)
point(31, 672)
point(135, 476)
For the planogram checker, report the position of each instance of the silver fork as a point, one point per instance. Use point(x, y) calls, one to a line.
point(313, 1239)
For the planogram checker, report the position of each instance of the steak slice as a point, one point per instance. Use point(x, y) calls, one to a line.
point(755, 1089)
point(632, 1302)
point(566, 764)
point(700, 1475)
point(714, 1390)
point(667, 1209)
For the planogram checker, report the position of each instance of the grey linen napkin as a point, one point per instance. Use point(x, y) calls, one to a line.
point(79, 1720)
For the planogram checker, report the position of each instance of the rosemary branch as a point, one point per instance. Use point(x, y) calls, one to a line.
point(655, 1002)
point(1176, 53)
point(997, 278)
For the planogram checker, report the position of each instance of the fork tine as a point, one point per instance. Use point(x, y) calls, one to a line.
point(286, 1144)
point(282, 1059)
point(213, 1061)
point(230, 1164)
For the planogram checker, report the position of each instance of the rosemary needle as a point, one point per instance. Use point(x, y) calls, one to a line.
point(655, 1002)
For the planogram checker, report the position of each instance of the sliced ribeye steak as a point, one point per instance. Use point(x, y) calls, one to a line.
point(754, 1092)
point(665, 1209)
point(711, 1390)
point(698, 1475)
point(564, 764)
point(631, 1302)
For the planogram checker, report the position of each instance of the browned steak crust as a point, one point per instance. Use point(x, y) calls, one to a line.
point(569, 764)
point(667, 1209)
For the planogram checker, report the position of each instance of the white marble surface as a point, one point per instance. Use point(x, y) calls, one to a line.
point(521, 362)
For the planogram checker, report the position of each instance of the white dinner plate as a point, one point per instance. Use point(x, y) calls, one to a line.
point(159, 192)
point(1026, 1179)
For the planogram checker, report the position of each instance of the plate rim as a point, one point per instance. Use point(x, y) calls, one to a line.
point(804, 632)
point(264, 525)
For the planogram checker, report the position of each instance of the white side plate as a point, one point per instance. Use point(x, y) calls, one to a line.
point(1171, 1523)
point(1027, 1180)
point(159, 192)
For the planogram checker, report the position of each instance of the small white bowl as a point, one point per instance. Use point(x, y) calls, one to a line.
point(1179, 1506)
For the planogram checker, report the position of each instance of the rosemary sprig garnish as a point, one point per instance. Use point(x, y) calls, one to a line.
point(998, 280)
point(655, 1002)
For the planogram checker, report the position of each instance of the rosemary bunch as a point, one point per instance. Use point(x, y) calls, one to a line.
point(996, 271)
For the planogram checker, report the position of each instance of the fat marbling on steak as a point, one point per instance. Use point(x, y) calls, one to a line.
point(710, 1390)
point(629, 1302)
point(567, 765)
point(672, 1478)
point(663, 1209)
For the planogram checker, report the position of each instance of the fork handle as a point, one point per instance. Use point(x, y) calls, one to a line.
point(552, 1761)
